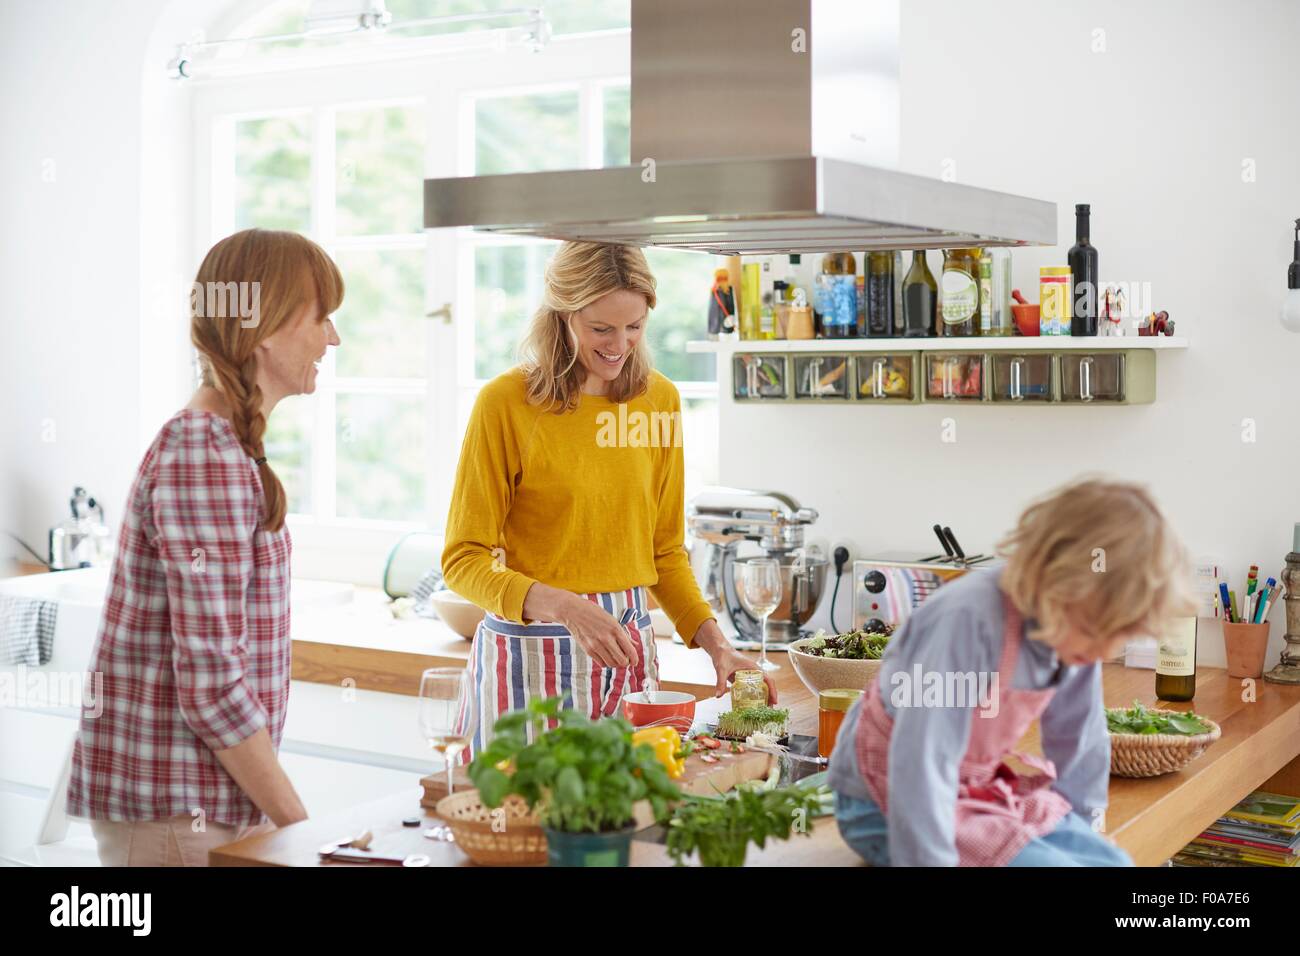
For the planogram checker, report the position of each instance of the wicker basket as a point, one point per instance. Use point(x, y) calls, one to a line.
point(521, 843)
point(1150, 755)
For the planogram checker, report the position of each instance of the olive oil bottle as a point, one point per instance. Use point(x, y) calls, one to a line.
point(960, 304)
point(1176, 661)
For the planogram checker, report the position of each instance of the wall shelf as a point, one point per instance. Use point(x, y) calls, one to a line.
point(1013, 370)
point(1007, 343)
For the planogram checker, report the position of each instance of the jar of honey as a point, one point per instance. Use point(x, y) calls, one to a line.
point(748, 689)
point(832, 705)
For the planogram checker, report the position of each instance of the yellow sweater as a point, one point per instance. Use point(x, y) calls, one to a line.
point(589, 500)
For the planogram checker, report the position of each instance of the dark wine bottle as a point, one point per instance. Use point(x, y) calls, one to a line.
point(1176, 661)
point(920, 298)
point(1082, 260)
point(880, 294)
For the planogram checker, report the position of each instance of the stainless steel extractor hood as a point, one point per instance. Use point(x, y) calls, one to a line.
point(758, 126)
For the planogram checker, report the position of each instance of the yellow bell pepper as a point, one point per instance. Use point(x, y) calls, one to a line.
point(667, 744)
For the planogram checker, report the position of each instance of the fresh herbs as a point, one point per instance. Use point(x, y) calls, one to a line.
point(863, 645)
point(580, 776)
point(739, 724)
point(721, 829)
point(1142, 720)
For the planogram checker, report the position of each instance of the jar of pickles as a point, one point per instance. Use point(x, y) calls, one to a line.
point(748, 689)
point(832, 705)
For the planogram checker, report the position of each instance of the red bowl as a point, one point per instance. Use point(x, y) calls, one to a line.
point(1026, 317)
point(670, 709)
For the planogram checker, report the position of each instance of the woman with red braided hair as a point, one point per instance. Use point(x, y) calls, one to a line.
point(193, 647)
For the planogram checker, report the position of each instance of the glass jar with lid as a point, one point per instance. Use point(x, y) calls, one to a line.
point(832, 705)
point(748, 689)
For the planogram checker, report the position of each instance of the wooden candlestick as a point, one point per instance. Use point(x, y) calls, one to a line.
point(1287, 670)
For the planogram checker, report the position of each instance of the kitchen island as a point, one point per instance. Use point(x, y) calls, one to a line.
point(1152, 819)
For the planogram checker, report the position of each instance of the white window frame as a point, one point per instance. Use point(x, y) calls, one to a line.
point(449, 86)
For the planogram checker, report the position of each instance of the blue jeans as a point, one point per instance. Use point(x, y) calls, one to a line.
point(1072, 843)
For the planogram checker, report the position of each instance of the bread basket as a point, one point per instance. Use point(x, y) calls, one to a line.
point(517, 839)
point(1150, 755)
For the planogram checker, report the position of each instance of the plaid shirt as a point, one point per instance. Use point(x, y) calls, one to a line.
point(194, 645)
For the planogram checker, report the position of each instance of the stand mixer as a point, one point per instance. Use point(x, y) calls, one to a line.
point(719, 519)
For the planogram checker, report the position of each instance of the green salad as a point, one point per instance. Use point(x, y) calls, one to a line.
point(863, 645)
point(1142, 720)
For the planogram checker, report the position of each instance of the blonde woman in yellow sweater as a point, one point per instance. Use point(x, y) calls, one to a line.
point(569, 504)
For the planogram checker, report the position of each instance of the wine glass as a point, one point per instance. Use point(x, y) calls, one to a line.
point(444, 723)
point(762, 580)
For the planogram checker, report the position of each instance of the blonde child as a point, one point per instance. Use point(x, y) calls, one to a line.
point(919, 767)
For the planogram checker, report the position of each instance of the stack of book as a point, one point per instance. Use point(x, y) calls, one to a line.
point(1262, 830)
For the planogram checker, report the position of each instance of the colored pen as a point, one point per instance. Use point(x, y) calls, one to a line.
point(1266, 605)
point(1225, 601)
point(1260, 605)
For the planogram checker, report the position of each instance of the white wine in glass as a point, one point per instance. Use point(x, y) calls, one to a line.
point(762, 580)
point(444, 723)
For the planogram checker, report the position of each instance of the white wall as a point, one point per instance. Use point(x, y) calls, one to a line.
point(95, 184)
point(1153, 133)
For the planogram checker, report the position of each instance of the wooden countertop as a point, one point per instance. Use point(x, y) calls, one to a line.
point(362, 642)
point(1152, 819)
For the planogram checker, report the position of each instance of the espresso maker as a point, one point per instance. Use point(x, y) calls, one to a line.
point(719, 520)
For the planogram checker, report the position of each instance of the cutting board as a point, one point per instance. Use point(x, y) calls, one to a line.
point(704, 779)
point(701, 778)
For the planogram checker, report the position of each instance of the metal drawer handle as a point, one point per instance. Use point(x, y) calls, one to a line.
point(1017, 394)
point(1085, 379)
point(878, 378)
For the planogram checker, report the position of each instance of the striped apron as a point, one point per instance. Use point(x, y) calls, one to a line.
point(511, 664)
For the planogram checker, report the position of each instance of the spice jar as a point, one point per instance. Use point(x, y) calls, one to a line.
point(832, 705)
point(748, 689)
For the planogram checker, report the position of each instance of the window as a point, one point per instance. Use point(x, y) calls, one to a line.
point(341, 155)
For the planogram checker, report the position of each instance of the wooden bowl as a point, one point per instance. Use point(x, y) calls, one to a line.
point(827, 673)
point(457, 613)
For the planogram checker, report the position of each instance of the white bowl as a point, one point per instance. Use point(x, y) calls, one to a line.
point(457, 613)
point(830, 673)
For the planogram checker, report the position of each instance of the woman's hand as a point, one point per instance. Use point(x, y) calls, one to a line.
point(603, 639)
point(726, 659)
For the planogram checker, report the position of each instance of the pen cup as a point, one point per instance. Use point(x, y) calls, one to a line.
point(1245, 645)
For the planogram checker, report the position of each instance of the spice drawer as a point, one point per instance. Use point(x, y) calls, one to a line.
point(1107, 378)
point(756, 377)
point(954, 376)
point(821, 377)
point(1022, 378)
point(887, 377)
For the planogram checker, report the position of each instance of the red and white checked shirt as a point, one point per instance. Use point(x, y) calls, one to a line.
point(194, 646)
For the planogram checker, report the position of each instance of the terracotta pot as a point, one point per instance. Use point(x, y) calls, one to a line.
point(1245, 645)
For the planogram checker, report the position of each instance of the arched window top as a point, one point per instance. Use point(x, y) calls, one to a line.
point(565, 16)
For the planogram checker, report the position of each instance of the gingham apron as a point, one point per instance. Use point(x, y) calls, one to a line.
point(511, 664)
point(998, 810)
